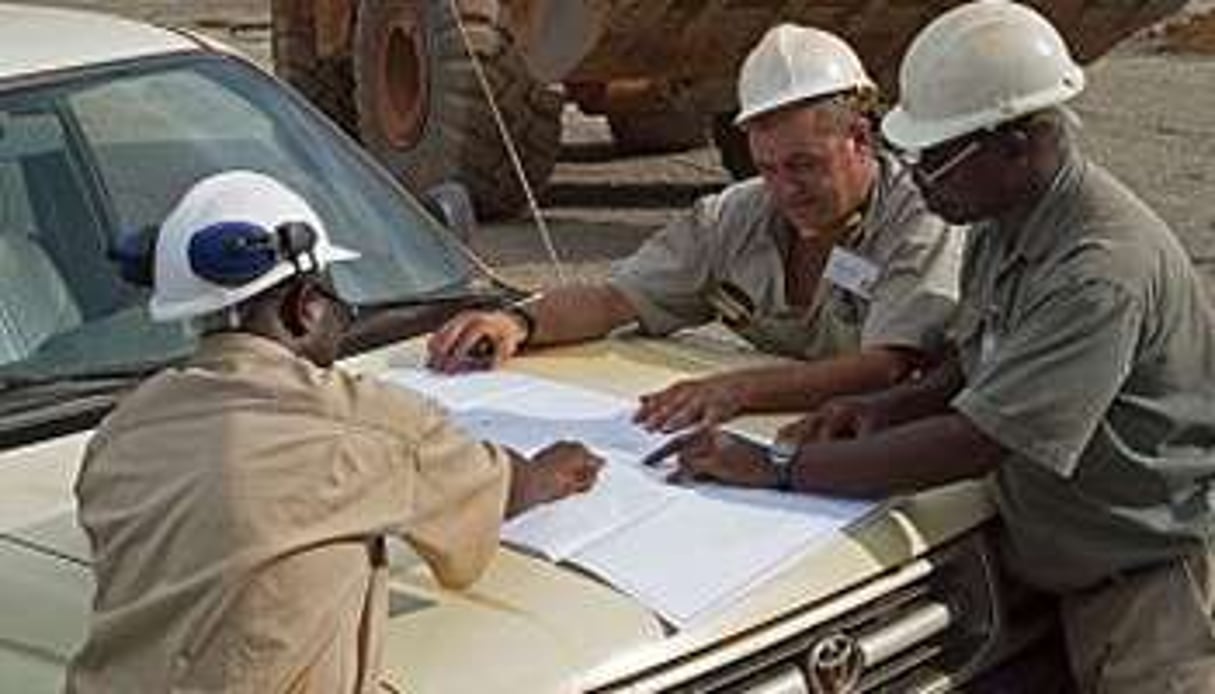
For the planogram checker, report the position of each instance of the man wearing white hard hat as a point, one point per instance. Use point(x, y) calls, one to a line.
point(1084, 373)
point(829, 256)
point(237, 507)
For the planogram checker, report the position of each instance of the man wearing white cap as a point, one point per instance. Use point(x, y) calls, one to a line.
point(237, 507)
point(829, 256)
point(1084, 377)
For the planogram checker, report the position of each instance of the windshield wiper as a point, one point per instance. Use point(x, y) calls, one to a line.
point(471, 298)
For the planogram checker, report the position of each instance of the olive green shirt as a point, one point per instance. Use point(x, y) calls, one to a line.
point(736, 238)
point(235, 509)
point(1088, 344)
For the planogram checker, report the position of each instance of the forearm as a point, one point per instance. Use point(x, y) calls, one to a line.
point(805, 386)
point(578, 312)
point(909, 458)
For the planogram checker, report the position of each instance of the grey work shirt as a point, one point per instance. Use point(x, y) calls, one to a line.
point(1088, 345)
point(736, 238)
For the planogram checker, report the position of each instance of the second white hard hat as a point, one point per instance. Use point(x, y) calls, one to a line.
point(793, 63)
point(231, 219)
point(977, 66)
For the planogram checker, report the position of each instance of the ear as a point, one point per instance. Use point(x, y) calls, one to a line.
point(861, 133)
point(300, 312)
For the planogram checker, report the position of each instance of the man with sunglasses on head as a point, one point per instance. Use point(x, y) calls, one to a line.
point(829, 256)
point(237, 507)
point(1084, 374)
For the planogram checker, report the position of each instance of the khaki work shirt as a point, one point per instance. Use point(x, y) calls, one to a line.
point(736, 237)
point(1089, 349)
point(235, 509)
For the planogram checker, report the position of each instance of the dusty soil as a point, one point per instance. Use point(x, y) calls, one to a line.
point(1149, 115)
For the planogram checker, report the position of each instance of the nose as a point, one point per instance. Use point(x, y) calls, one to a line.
point(785, 187)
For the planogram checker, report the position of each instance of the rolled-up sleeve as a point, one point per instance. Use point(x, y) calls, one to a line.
point(666, 278)
point(1048, 380)
point(916, 294)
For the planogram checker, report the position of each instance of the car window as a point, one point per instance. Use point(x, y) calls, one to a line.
point(45, 220)
point(89, 158)
point(152, 135)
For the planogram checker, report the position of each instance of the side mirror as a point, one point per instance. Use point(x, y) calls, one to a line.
point(134, 254)
point(451, 203)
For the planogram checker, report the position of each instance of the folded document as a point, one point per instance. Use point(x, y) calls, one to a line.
point(684, 552)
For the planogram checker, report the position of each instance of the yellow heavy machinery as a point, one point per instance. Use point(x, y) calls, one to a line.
point(398, 75)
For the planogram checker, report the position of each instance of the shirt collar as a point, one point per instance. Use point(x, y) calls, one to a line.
point(225, 346)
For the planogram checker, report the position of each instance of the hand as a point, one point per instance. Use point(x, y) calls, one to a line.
point(558, 471)
point(846, 417)
point(710, 454)
point(703, 402)
point(454, 347)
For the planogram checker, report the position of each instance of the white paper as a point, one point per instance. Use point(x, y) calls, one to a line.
point(683, 552)
point(622, 495)
point(698, 553)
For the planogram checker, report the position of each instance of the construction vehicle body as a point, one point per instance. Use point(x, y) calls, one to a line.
point(397, 73)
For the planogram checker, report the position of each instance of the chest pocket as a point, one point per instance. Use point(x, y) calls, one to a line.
point(812, 334)
point(832, 326)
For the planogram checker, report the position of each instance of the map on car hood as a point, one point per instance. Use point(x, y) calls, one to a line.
point(684, 552)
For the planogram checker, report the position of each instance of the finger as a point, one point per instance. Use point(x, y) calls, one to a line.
point(700, 465)
point(714, 414)
point(644, 408)
point(668, 449)
point(687, 415)
point(448, 355)
point(822, 428)
point(672, 406)
point(438, 347)
point(842, 425)
point(464, 350)
point(585, 477)
point(681, 476)
point(653, 404)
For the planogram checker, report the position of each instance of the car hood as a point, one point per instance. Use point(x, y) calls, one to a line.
point(527, 625)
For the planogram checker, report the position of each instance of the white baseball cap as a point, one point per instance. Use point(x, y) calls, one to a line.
point(241, 200)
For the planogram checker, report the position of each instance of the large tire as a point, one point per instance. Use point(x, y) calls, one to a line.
point(328, 82)
point(732, 147)
point(422, 112)
point(657, 132)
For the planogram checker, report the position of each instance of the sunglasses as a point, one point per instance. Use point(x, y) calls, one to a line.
point(933, 164)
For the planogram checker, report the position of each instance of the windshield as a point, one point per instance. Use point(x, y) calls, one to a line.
point(88, 158)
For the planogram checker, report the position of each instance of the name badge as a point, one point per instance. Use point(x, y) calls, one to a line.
point(852, 272)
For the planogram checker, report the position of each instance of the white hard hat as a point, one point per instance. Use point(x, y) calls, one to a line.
point(977, 66)
point(241, 204)
point(793, 63)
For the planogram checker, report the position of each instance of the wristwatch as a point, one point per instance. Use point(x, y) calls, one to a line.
point(526, 320)
point(780, 457)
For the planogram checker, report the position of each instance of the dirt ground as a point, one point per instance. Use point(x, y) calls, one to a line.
point(1148, 116)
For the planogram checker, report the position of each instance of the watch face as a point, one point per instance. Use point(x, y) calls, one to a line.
point(782, 452)
point(785, 448)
